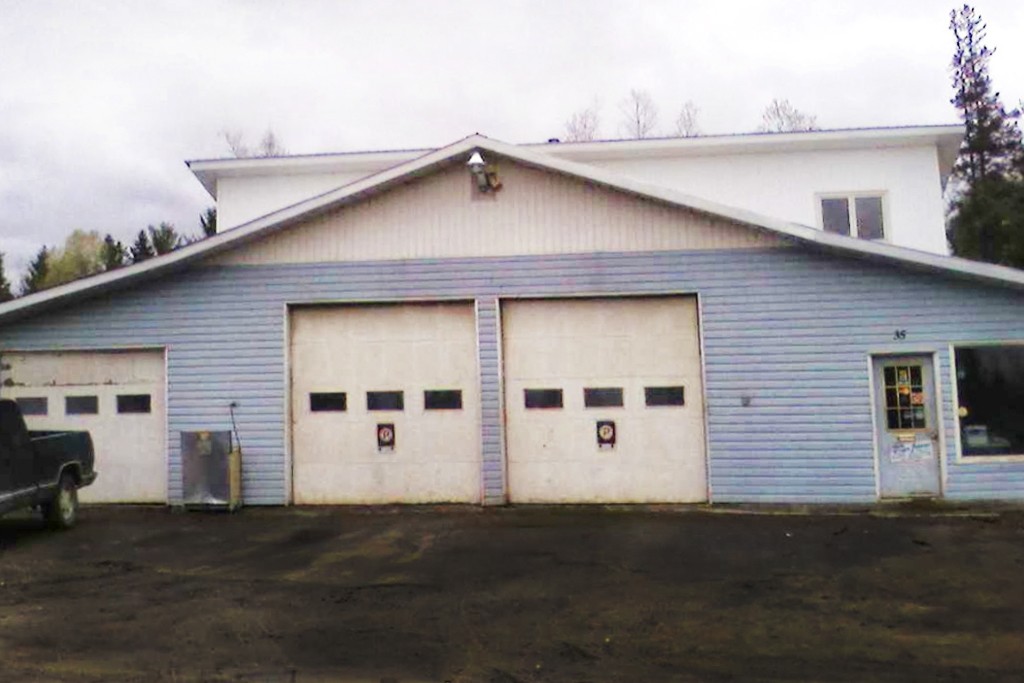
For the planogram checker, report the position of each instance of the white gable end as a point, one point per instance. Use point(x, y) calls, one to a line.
point(535, 212)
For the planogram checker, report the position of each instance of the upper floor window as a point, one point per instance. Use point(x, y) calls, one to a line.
point(853, 215)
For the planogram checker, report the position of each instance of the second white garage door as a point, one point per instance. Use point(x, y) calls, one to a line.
point(604, 400)
point(385, 404)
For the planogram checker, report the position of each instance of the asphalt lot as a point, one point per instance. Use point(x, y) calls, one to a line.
point(513, 594)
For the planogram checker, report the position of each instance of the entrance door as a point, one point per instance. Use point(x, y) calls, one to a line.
point(907, 436)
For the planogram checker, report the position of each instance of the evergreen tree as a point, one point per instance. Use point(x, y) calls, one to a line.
point(141, 249)
point(164, 238)
point(5, 284)
point(37, 272)
point(208, 222)
point(113, 254)
point(992, 143)
point(986, 220)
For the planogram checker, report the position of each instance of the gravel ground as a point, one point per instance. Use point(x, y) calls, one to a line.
point(513, 594)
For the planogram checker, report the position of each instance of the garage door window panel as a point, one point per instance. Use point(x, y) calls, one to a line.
point(664, 396)
point(32, 405)
point(134, 404)
point(81, 405)
point(442, 399)
point(328, 402)
point(602, 397)
point(542, 399)
point(385, 400)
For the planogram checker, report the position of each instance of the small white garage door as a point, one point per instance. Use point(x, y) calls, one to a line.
point(117, 396)
point(385, 404)
point(604, 400)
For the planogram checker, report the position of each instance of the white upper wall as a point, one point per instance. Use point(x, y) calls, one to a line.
point(243, 198)
point(780, 175)
point(788, 185)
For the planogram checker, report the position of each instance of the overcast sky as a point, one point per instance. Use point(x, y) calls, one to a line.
point(101, 102)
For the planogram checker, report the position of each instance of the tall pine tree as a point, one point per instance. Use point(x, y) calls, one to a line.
point(164, 238)
point(5, 284)
point(986, 222)
point(113, 254)
point(37, 271)
point(992, 143)
point(141, 249)
point(208, 221)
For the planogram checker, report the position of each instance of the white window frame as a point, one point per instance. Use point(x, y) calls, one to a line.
point(851, 207)
point(971, 459)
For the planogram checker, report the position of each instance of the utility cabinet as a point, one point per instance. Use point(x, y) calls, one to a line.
point(211, 470)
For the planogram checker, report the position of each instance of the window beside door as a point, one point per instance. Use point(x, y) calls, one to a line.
point(990, 399)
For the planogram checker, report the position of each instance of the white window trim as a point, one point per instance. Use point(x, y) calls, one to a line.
point(974, 459)
point(851, 198)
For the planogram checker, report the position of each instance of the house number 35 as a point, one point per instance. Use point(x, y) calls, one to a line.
point(899, 334)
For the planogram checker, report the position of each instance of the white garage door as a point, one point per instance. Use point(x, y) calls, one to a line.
point(604, 400)
point(385, 404)
point(118, 397)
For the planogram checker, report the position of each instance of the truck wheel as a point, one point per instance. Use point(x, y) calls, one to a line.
point(62, 511)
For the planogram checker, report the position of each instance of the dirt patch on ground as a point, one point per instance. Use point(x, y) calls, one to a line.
point(511, 595)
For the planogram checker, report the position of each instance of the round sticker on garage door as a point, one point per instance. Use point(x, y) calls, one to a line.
point(385, 436)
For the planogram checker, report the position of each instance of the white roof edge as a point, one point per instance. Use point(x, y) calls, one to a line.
point(209, 170)
point(370, 185)
point(752, 142)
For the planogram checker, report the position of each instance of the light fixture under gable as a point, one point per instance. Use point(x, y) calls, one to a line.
point(486, 177)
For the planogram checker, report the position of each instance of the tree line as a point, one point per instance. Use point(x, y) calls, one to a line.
point(638, 119)
point(85, 253)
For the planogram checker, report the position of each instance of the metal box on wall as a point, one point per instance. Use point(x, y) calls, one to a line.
point(211, 470)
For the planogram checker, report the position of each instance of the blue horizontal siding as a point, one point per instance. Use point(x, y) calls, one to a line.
point(789, 328)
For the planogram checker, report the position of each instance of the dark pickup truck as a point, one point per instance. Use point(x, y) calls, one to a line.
point(42, 469)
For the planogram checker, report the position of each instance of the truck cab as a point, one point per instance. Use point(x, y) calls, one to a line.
point(42, 469)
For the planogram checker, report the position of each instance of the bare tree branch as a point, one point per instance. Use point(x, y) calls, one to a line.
point(269, 145)
point(583, 125)
point(639, 114)
point(686, 122)
point(782, 117)
point(234, 139)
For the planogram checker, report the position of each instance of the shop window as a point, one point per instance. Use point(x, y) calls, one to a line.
point(32, 405)
point(542, 398)
point(904, 397)
point(385, 400)
point(134, 403)
point(442, 399)
point(604, 397)
point(854, 215)
point(81, 405)
point(990, 399)
point(663, 396)
point(328, 402)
